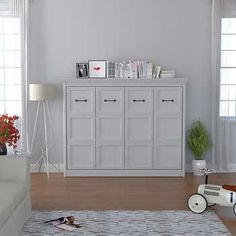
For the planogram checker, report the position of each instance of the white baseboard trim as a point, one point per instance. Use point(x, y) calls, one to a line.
point(232, 168)
point(52, 169)
point(188, 168)
point(57, 168)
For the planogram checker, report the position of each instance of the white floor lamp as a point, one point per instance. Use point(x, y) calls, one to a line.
point(42, 93)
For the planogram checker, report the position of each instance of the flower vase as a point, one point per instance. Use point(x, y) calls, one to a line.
point(3, 149)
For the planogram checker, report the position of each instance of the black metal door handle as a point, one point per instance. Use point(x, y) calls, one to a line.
point(138, 100)
point(109, 100)
point(81, 100)
point(168, 100)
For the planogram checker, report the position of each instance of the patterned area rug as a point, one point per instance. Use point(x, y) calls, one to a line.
point(128, 223)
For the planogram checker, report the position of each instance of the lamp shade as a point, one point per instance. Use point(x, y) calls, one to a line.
point(42, 92)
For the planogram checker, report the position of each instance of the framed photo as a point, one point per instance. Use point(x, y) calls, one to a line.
point(97, 68)
point(82, 70)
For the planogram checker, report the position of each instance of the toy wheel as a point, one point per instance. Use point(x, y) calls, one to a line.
point(234, 208)
point(197, 203)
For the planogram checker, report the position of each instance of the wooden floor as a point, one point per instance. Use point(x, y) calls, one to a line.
point(123, 193)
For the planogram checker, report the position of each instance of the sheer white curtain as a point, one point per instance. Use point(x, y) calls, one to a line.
point(223, 80)
point(9, 8)
point(24, 14)
point(13, 63)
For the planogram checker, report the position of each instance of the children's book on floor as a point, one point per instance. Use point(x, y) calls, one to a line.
point(66, 223)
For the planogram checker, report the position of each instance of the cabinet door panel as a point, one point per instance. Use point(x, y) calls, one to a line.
point(81, 128)
point(168, 100)
point(110, 128)
point(167, 157)
point(110, 157)
point(139, 128)
point(81, 100)
point(139, 99)
point(80, 157)
point(167, 129)
point(110, 99)
point(138, 157)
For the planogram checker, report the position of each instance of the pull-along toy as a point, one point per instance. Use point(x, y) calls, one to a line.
point(208, 195)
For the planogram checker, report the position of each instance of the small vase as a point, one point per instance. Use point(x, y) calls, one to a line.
point(197, 165)
point(3, 149)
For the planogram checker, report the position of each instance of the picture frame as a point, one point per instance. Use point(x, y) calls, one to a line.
point(82, 70)
point(97, 68)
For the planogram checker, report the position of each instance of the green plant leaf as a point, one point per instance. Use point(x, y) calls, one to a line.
point(198, 140)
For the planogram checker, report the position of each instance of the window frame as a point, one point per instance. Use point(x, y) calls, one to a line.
point(229, 117)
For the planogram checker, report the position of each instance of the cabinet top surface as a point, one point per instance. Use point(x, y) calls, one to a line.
point(125, 82)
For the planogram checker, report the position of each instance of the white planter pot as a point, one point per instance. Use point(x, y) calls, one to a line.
point(197, 165)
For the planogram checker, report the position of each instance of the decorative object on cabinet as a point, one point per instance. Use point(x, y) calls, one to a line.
point(97, 68)
point(42, 93)
point(82, 70)
point(124, 127)
point(129, 69)
point(198, 143)
point(9, 134)
point(167, 74)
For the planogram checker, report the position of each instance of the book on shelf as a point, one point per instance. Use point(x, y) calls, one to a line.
point(110, 69)
point(121, 70)
point(117, 70)
point(134, 69)
point(157, 71)
point(167, 74)
point(127, 70)
point(142, 69)
point(149, 69)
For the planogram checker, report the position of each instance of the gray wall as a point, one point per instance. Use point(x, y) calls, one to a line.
point(173, 33)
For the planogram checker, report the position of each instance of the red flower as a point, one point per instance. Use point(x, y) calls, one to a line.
point(8, 133)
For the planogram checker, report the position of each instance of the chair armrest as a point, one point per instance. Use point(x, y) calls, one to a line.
point(15, 168)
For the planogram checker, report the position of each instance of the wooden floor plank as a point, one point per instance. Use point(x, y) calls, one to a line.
point(123, 193)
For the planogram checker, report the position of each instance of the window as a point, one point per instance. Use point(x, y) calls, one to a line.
point(10, 67)
point(228, 68)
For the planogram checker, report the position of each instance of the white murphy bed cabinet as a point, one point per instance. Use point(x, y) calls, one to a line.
point(124, 127)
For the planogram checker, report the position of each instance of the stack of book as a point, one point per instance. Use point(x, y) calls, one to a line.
point(130, 69)
point(137, 69)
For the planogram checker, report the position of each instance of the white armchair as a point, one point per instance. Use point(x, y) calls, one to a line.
point(15, 204)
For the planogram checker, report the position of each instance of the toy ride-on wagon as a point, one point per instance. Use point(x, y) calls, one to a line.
point(209, 195)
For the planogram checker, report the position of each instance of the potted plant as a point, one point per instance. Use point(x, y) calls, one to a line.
point(8, 133)
point(198, 143)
